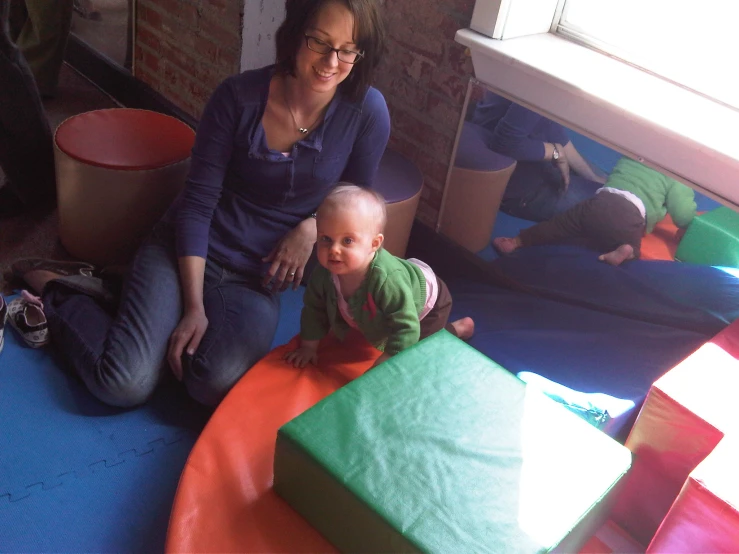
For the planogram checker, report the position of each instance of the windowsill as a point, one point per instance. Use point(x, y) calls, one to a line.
point(642, 116)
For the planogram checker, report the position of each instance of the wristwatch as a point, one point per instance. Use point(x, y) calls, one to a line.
point(555, 154)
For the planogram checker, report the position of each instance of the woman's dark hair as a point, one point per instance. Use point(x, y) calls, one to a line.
point(369, 36)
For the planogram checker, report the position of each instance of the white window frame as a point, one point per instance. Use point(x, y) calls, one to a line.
point(261, 21)
point(672, 129)
point(505, 19)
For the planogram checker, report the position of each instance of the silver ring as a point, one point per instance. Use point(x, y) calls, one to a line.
point(291, 274)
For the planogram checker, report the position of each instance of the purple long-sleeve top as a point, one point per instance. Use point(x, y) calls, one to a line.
point(516, 131)
point(241, 197)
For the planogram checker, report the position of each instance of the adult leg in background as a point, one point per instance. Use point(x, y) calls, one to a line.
point(533, 192)
point(242, 321)
point(26, 151)
point(120, 356)
point(42, 38)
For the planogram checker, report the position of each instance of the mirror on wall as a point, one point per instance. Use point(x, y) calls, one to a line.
point(513, 168)
point(107, 27)
point(594, 333)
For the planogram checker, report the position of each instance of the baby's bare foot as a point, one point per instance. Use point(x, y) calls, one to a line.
point(464, 328)
point(618, 256)
point(506, 245)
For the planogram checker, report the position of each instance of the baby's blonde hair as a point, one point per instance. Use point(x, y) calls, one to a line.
point(348, 194)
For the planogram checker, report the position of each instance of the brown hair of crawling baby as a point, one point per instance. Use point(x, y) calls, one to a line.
point(393, 302)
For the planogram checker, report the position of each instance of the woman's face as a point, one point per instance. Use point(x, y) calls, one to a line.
point(322, 73)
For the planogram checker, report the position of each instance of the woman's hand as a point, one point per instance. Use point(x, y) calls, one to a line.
point(187, 335)
point(563, 165)
point(581, 166)
point(290, 255)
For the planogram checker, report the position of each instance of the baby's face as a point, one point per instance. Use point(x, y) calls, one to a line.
point(347, 240)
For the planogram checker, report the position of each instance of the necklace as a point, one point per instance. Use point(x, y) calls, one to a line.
point(302, 130)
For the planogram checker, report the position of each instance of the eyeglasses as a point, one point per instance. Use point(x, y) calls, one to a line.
point(346, 56)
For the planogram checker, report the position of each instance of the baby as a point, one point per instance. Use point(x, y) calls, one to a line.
point(393, 302)
point(633, 201)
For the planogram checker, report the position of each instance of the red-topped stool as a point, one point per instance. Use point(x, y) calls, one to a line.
point(117, 172)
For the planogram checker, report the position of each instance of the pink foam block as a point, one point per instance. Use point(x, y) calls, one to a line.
point(685, 415)
point(705, 516)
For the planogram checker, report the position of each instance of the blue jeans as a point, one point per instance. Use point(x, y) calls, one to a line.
point(120, 354)
point(533, 191)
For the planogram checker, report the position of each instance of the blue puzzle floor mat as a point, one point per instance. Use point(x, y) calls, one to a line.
point(79, 476)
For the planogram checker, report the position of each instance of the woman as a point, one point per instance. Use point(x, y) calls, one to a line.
point(542, 183)
point(202, 291)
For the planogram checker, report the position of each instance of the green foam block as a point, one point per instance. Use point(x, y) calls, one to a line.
point(712, 239)
point(442, 450)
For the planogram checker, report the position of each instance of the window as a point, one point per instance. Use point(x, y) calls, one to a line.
point(678, 116)
point(680, 40)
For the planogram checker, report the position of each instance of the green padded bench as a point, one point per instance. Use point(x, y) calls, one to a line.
point(442, 450)
point(712, 239)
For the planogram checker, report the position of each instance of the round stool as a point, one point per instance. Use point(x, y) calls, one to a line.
point(400, 182)
point(117, 171)
point(475, 189)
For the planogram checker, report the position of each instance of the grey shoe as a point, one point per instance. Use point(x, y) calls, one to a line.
point(26, 315)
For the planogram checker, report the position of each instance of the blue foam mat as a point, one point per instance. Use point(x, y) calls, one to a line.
point(584, 349)
point(558, 312)
point(681, 295)
point(76, 475)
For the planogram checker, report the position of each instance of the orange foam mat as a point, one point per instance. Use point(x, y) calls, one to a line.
point(662, 242)
point(225, 502)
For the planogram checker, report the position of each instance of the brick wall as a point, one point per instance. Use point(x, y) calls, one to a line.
point(424, 79)
point(184, 48)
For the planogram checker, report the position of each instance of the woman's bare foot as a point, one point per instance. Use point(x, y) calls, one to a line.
point(38, 278)
point(618, 256)
point(464, 328)
point(506, 245)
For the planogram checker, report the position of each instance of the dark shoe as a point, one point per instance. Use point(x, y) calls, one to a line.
point(26, 315)
point(94, 287)
point(62, 268)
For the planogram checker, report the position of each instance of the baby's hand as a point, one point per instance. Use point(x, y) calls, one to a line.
point(303, 355)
